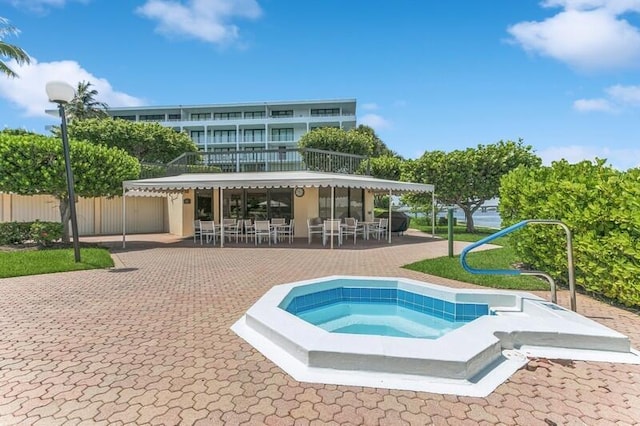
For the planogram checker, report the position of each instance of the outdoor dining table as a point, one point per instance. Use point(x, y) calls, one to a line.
point(366, 226)
point(275, 228)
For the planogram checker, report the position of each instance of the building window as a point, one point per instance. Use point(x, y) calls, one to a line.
point(265, 204)
point(254, 114)
point(174, 117)
point(323, 127)
point(254, 135)
point(282, 135)
point(348, 202)
point(197, 136)
point(201, 116)
point(125, 117)
point(324, 112)
point(204, 204)
point(226, 115)
point(282, 113)
point(152, 117)
point(222, 136)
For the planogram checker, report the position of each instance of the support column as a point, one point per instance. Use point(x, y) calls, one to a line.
point(124, 218)
point(221, 217)
point(332, 213)
point(389, 222)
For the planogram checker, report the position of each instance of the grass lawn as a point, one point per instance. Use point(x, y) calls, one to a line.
point(501, 258)
point(32, 262)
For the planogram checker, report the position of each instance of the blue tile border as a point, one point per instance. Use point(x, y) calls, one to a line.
point(417, 302)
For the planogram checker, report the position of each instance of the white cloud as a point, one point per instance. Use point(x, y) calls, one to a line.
point(371, 106)
point(207, 20)
point(41, 5)
point(618, 98)
point(377, 122)
point(587, 34)
point(615, 6)
point(28, 94)
point(620, 158)
point(629, 95)
point(590, 105)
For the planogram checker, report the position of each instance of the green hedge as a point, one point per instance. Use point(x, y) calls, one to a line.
point(42, 233)
point(600, 205)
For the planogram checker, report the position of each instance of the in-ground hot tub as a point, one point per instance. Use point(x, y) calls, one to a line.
point(405, 334)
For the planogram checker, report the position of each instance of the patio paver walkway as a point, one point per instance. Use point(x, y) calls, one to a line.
point(149, 343)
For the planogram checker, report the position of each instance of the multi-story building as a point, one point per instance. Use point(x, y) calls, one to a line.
point(251, 126)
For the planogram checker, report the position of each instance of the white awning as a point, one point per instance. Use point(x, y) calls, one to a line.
point(189, 181)
point(142, 193)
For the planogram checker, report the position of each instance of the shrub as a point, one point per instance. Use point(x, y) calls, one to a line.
point(444, 221)
point(45, 233)
point(14, 232)
point(600, 205)
point(42, 233)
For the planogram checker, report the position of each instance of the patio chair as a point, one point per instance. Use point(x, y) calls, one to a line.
point(208, 230)
point(233, 230)
point(286, 231)
point(381, 229)
point(196, 230)
point(262, 228)
point(278, 221)
point(314, 226)
point(351, 227)
point(331, 229)
point(249, 230)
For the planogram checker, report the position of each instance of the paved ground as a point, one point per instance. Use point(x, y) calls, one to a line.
point(149, 343)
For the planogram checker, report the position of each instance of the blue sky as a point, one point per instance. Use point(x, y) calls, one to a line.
point(427, 75)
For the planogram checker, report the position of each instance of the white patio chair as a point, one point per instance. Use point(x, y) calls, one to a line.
point(314, 226)
point(208, 230)
point(262, 228)
point(233, 230)
point(380, 230)
point(278, 221)
point(249, 230)
point(331, 229)
point(286, 231)
point(196, 230)
point(350, 227)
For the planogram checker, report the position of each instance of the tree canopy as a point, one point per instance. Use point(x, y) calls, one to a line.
point(361, 141)
point(84, 104)
point(338, 140)
point(34, 164)
point(10, 51)
point(468, 178)
point(378, 147)
point(148, 142)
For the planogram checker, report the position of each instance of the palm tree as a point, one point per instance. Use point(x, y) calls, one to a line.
point(84, 104)
point(9, 50)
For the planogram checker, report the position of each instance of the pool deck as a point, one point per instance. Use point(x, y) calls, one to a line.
point(148, 342)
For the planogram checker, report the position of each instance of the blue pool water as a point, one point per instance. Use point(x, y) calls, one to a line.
point(376, 319)
point(383, 311)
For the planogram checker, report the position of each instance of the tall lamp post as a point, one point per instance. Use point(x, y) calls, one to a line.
point(62, 93)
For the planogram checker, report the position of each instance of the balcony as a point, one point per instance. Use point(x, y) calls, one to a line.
point(296, 118)
point(264, 160)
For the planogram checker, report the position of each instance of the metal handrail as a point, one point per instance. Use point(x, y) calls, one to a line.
point(505, 231)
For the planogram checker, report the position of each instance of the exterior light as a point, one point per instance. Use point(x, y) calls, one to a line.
point(62, 93)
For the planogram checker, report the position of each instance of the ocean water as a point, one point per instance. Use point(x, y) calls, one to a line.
point(488, 219)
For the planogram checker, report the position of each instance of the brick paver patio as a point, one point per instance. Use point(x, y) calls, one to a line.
point(149, 343)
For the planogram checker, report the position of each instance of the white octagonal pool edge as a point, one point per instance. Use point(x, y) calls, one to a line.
point(471, 360)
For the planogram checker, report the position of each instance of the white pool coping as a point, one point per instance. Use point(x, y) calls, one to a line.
point(471, 360)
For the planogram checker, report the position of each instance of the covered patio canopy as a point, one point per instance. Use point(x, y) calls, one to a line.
point(185, 182)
